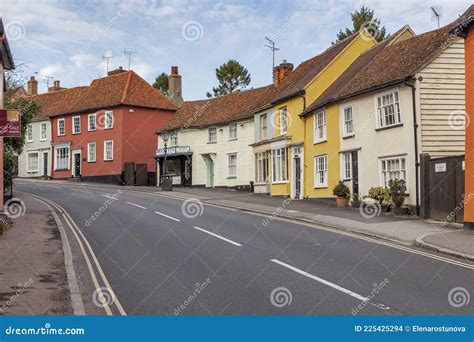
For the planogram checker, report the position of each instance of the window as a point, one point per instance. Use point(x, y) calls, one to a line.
point(29, 133)
point(32, 162)
point(91, 152)
point(348, 128)
point(232, 166)
point(392, 168)
point(320, 127)
point(62, 158)
point(76, 124)
point(263, 126)
point(283, 120)
point(109, 119)
point(44, 127)
point(91, 122)
point(233, 131)
point(280, 165)
point(321, 171)
point(346, 166)
point(61, 127)
point(261, 167)
point(388, 109)
point(212, 134)
point(108, 150)
point(174, 139)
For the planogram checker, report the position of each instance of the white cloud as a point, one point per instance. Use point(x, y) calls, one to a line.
point(52, 70)
point(81, 60)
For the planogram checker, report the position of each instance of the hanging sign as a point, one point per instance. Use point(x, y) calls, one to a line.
point(10, 123)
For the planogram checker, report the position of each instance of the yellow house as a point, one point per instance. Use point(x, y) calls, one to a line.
point(285, 152)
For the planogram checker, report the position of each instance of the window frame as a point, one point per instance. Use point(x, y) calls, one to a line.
point(89, 160)
point(263, 118)
point(400, 170)
point(317, 184)
point(89, 116)
point(63, 121)
point(56, 149)
point(214, 130)
point(316, 125)
point(280, 164)
point(397, 115)
point(29, 133)
point(234, 166)
point(344, 122)
point(262, 167)
point(105, 150)
point(74, 124)
point(45, 125)
point(106, 122)
point(28, 170)
point(231, 138)
point(344, 165)
point(173, 139)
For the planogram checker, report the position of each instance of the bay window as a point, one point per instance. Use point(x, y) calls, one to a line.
point(280, 164)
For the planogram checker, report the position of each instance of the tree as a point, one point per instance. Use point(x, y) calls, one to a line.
point(12, 147)
point(161, 83)
point(232, 76)
point(364, 18)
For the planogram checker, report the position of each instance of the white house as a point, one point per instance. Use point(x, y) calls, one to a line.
point(208, 141)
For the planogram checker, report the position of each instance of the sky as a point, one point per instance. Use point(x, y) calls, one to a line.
point(67, 40)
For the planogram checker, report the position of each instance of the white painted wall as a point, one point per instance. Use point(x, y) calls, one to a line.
point(374, 144)
point(197, 139)
point(36, 145)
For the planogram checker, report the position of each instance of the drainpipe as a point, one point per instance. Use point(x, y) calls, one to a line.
point(415, 136)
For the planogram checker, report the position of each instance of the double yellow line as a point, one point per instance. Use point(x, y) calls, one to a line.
point(88, 254)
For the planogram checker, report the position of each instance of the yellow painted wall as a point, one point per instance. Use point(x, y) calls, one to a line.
point(301, 131)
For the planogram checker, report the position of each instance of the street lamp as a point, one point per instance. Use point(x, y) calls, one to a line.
point(166, 181)
point(165, 137)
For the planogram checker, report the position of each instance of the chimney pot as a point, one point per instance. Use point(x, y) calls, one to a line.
point(174, 70)
point(57, 84)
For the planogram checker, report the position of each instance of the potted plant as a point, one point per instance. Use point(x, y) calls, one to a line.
point(355, 201)
point(398, 191)
point(381, 195)
point(342, 192)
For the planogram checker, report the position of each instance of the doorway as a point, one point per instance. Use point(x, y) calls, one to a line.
point(45, 163)
point(355, 172)
point(297, 171)
point(77, 164)
point(210, 172)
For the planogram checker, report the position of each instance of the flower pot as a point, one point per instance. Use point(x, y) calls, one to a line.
point(400, 211)
point(342, 201)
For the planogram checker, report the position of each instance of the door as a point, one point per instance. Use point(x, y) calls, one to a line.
point(45, 163)
point(77, 165)
point(297, 172)
point(210, 173)
point(355, 172)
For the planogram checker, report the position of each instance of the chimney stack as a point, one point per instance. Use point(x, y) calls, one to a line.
point(281, 71)
point(32, 86)
point(56, 86)
point(174, 86)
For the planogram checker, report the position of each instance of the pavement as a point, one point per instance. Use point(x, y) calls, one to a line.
point(164, 255)
point(33, 277)
point(371, 221)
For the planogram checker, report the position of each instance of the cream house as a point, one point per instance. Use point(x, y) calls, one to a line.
point(207, 141)
point(394, 103)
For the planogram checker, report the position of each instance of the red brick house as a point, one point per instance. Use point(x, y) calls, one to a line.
point(103, 127)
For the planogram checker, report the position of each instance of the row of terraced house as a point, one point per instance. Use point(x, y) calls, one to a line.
point(362, 111)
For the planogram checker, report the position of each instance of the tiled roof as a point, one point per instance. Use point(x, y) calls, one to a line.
point(386, 65)
point(125, 88)
point(299, 78)
point(221, 109)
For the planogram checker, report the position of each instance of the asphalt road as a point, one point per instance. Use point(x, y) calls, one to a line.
point(163, 259)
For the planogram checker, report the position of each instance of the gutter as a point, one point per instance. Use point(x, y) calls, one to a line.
point(415, 136)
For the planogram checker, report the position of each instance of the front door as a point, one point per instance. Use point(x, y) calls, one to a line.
point(77, 165)
point(210, 173)
point(45, 163)
point(355, 172)
point(297, 172)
